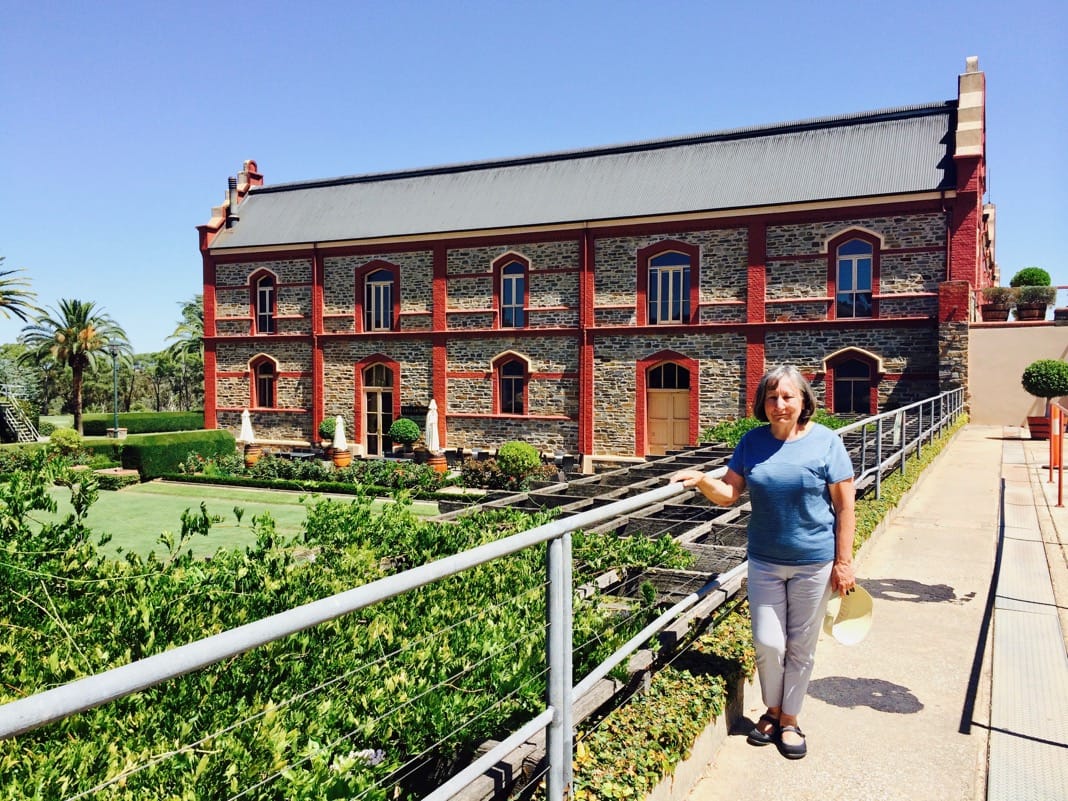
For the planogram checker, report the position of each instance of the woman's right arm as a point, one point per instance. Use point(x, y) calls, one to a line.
point(722, 492)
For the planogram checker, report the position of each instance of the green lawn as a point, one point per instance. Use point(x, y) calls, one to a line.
point(135, 516)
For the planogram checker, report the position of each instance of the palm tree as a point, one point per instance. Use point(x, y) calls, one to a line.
point(16, 297)
point(188, 345)
point(77, 334)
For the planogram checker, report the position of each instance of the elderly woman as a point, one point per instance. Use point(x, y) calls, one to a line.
point(800, 541)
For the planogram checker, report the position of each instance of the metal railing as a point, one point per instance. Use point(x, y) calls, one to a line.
point(899, 433)
point(889, 438)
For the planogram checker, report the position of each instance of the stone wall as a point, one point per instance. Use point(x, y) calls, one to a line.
point(415, 289)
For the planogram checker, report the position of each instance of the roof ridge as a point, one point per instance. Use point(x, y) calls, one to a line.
point(900, 112)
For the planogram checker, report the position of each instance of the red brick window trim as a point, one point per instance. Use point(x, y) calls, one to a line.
point(263, 380)
point(377, 301)
point(511, 384)
point(263, 301)
point(668, 283)
point(853, 274)
point(852, 381)
point(511, 290)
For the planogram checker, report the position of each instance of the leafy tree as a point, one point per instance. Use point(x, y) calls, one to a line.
point(16, 297)
point(187, 350)
point(77, 334)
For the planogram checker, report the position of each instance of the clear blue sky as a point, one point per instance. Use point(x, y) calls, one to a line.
point(121, 121)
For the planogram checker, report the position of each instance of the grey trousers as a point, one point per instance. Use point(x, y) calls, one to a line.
point(787, 603)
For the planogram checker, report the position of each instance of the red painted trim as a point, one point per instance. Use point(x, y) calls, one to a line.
point(303, 254)
point(641, 420)
point(500, 416)
point(497, 267)
point(359, 367)
point(361, 274)
point(883, 251)
point(210, 396)
point(873, 373)
point(587, 319)
point(253, 288)
point(267, 410)
point(439, 354)
point(254, 363)
point(318, 363)
point(756, 272)
point(755, 364)
point(832, 270)
point(497, 364)
point(667, 246)
point(471, 374)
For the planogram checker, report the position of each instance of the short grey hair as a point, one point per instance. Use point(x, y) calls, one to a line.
point(770, 380)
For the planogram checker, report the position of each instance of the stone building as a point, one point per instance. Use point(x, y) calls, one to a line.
point(609, 302)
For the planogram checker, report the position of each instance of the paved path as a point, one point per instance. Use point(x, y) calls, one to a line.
point(906, 714)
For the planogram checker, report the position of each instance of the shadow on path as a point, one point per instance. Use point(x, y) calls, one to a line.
point(880, 695)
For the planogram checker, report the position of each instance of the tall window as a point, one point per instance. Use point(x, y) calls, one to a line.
point(378, 301)
point(513, 295)
point(264, 380)
point(512, 377)
point(854, 280)
point(669, 289)
point(265, 304)
point(852, 387)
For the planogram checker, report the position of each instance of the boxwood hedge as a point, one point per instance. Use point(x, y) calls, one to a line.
point(97, 425)
point(154, 455)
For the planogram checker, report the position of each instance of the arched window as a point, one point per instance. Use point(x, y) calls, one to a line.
point(853, 279)
point(512, 383)
point(265, 302)
point(378, 288)
point(669, 376)
point(513, 295)
point(852, 387)
point(669, 289)
point(264, 382)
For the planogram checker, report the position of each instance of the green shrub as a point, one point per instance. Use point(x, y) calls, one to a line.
point(327, 428)
point(730, 432)
point(46, 428)
point(1036, 294)
point(999, 295)
point(154, 455)
point(1030, 276)
point(518, 459)
point(96, 425)
point(66, 441)
point(115, 481)
point(404, 431)
point(1046, 378)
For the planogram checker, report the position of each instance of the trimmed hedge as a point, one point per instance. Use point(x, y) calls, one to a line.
point(154, 455)
point(97, 425)
point(334, 487)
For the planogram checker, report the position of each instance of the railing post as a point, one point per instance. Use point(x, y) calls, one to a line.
point(559, 739)
point(879, 458)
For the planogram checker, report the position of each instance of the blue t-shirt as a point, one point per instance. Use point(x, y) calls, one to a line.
point(792, 521)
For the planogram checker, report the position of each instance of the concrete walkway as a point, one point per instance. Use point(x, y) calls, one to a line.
point(937, 694)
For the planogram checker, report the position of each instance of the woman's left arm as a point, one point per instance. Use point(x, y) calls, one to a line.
point(843, 497)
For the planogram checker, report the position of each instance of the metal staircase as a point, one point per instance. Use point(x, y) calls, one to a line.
point(14, 417)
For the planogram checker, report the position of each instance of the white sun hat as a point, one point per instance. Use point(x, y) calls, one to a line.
point(848, 619)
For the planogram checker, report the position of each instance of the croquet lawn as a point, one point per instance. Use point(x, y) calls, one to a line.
point(137, 515)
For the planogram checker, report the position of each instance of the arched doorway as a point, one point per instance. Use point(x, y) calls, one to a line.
point(377, 409)
point(667, 394)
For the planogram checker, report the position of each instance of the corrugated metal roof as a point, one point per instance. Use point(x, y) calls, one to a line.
point(862, 155)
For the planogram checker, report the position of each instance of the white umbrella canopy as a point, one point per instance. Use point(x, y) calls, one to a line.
point(339, 434)
point(246, 434)
point(433, 442)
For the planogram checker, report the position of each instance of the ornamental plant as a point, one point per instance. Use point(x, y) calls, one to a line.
point(518, 459)
point(404, 431)
point(999, 295)
point(1031, 293)
point(1030, 276)
point(1047, 379)
point(327, 428)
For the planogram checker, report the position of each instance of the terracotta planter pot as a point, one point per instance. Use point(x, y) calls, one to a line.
point(341, 458)
point(1040, 427)
point(252, 454)
point(437, 461)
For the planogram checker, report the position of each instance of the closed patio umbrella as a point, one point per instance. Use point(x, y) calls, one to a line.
point(246, 434)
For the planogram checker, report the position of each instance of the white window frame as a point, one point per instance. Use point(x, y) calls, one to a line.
point(668, 288)
point(378, 302)
point(513, 280)
point(851, 262)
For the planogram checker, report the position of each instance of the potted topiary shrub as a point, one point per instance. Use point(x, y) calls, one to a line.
point(518, 461)
point(1046, 379)
point(404, 431)
point(326, 434)
point(997, 303)
point(1032, 302)
point(1034, 293)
